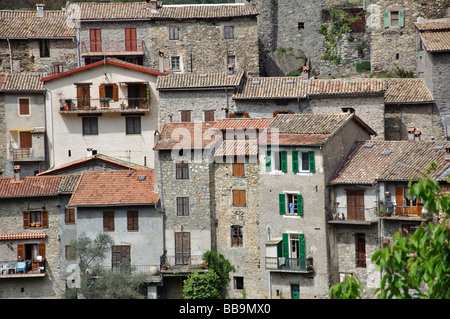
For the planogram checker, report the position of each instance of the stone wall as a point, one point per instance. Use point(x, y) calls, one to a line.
point(245, 258)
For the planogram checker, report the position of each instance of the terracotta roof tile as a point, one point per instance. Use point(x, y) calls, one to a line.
point(407, 91)
point(309, 123)
point(272, 87)
point(289, 139)
point(372, 161)
point(433, 25)
point(346, 87)
point(244, 124)
point(115, 188)
point(33, 27)
point(195, 81)
point(30, 186)
point(237, 148)
point(22, 82)
point(438, 41)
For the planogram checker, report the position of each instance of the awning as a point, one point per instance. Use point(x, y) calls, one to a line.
point(22, 236)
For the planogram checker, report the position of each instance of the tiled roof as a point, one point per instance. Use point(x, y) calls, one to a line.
point(244, 124)
point(138, 10)
point(435, 35)
point(34, 27)
point(31, 13)
point(237, 148)
point(309, 123)
point(272, 87)
point(196, 81)
point(30, 186)
point(407, 91)
point(193, 135)
point(68, 184)
point(115, 188)
point(346, 87)
point(372, 161)
point(22, 82)
point(289, 139)
point(88, 161)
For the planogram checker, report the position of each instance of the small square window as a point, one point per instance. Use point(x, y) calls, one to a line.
point(90, 125)
point(229, 32)
point(185, 116)
point(301, 25)
point(239, 283)
point(133, 125)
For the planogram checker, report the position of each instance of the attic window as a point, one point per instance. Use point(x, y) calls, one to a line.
point(289, 81)
point(141, 177)
point(386, 152)
point(255, 82)
point(203, 75)
point(439, 147)
point(368, 145)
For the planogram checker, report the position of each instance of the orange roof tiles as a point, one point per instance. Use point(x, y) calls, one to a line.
point(22, 82)
point(435, 35)
point(132, 187)
point(407, 91)
point(195, 81)
point(30, 186)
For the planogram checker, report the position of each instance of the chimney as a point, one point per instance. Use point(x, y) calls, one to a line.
point(447, 154)
point(153, 4)
point(16, 169)
point(411, 131)
point(40, 10)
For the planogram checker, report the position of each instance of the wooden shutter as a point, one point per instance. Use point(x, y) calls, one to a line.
point(132, 220)
point(300, 204)
point(239, 197)
point(24, 106)
point(44, 219)
point(25, 139)
point(20, 252)
point(312, 163)
point(283, 161)
point(130, 39)
point(102, 91)
point(95, 40)
point(399, 201)
point(26, 219)
point(268, 161)
point(295, 161)
point(282, 203)
point(41, 250)
point(238, 169)
point(387, 21)
point(115, 92)
point(182, 248)
point(401, 18)
point(285, 245)
point(355, 204)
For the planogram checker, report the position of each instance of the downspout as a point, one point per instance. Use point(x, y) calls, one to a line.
point(10, 56)
point(51, 122)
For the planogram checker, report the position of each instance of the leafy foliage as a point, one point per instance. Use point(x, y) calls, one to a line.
point(91, 252)
point(348, 289)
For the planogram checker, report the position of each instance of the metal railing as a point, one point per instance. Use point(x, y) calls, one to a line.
point(21, 268)
point(293, 264)
point(112, 46)
point(21, 153)
point(104, 104)
point(190, 261)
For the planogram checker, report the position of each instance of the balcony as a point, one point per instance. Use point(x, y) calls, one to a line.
point(25, 269)
point(112, 47)
point(151, 272)
point(104, 105)
point(183, 264)
point(303, 265)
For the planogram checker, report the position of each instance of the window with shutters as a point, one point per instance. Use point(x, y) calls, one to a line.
point(290, 204)
point(239, 197)
point(209, 116)
point(90, 125)
point(34, 253)
point(229, 32)
point(120, 254)
point(174, 33)
point(24, 107)
point(292, 252)
point(238, 169)
point(130, 39)
point(69, 216)
point(394, 18)
point(95, 40)
point(35, 219)
point(109, 91)
point(58, 67)
point(279, 161)
point(360, 250)
point(108, 221)
point(133, 125)
point(132, 220)
point(25, 139)
point(236, 236)
point(185, 116)
point(83, 95)
point(303, 161)
point(182, 170)
point(182, 248)
point(355, 204)
point(182, 206)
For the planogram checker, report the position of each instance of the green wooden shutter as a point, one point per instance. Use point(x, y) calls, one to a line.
point(312, 164)
point(268, 161)
point(401, 19)
point(282, 203)
point(295, 161)
point(367, 3)
point(302, 251)
point(283, 161)
point(286, 246)
point(300, 204)
point(386, 19)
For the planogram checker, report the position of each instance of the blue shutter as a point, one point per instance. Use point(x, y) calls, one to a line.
point(401, 19)
point(387, 21)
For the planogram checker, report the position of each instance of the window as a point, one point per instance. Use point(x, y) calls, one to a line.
point(130, 39)
point(301, 25)
point(293, 249)
point(360, 250)
point(44, 48)
point(238, 168)
point(229, 32)
point(132, 220)
point(95, 40)
point(231, 60)
point(35, 219)
point(238, 283)
point(238, 115)
point(69, 216)
point(90, 125)
point(133, 125)
point(405, 205)
point(58, 67)
point(239, 197)
point(355, 204)
point(290, 204)
point(32, 252)
point(175, 63)
point(236, 236)
point(303, 161)
point(24, 106)
point(119, 255)
point(109, 91)
point(185, 116)
point(174, 33)
point(108, 221)
point(209, 116)
point(25, 139)
point(182, 248)
point(276, 160)
point(182, 170)
point(394, 19)
point(182, 206)
point(83, 95)
point(69, 252)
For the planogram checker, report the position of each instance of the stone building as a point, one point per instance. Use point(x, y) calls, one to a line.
point(37, 41)
point(30, 247)
point(370, 201)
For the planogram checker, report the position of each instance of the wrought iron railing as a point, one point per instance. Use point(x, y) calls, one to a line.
point(112, 46)
point(294, 264)
point(104, 104)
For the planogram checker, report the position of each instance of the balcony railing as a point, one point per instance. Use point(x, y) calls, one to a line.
point(184, 263)
point(21, 154)
point(18, 269)
point(289, 264)
point(104, 104)
point(112, 46)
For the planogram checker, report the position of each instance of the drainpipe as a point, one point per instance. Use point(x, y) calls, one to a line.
point(10, 56)
point(51, 123)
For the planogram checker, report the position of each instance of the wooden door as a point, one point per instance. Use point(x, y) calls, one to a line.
point(95, 40)
point(355, 204)
point(182, 248)
point(120, 254)
point(83, 95)
point(130, 39)
point(25, 139)
point(361, 250)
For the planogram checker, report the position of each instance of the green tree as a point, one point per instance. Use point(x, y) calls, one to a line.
point(416, 266)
